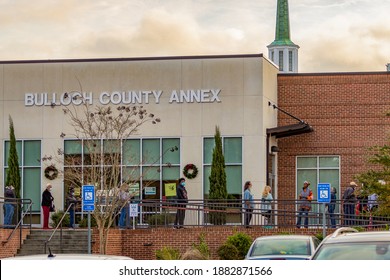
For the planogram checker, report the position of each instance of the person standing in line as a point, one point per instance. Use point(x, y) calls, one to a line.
point(266, 205)
point(248, 204)
point(304, 204)
point(72, 201)
point(332, 207)
point(9, 201)
point(349, 204)
point(124, 198)
point(182, 200)
point(47, 202)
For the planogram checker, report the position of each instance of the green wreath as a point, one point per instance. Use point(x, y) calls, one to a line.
point(51, 172)
point(190, 171)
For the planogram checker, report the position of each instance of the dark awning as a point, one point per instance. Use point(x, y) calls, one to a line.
point(289, 130)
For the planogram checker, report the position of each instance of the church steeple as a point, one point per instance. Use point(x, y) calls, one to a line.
point(282, 51)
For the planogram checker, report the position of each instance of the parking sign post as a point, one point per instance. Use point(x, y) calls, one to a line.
point(323, 196)
point(88, 206)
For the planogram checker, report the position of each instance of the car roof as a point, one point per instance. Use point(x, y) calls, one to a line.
point(68, 257)
point(285, 236)
point(350, 236)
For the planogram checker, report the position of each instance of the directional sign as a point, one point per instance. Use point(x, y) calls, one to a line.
point(88, 198)
point(323, 193)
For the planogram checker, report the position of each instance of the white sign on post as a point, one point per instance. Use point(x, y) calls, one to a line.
point(133, 209)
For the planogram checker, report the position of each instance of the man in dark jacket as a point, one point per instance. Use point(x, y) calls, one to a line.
point(182, 200)
point(349, 201)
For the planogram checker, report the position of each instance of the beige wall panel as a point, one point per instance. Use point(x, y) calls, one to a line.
point(192, 74)
point(253, 80)
point(22, 78)
point(254, 158)
point(226, 74)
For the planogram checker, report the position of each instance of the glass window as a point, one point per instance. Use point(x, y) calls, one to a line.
point(281, 60)
point(232, 149)
point(151, 151)
point(131, 152)
point(29, 158)
point(171, 152)
point(290, 61)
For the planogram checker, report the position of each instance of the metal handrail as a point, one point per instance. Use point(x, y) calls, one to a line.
point(17, 202)
point(56, 228)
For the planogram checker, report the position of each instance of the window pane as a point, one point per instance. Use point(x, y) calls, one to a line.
point(171, 173)
point(72, 152)
point(330, 176)
point(151, 151)
point(306, 175)
point(232, 150)
point(112, 150)
point(234, 179)
point(32, 186)
point(171, 151)
point(131, 174)
point(6, 151)
point(307, 162)
point(131, 152)
point(208, 150)
point(151, 173)
point(329, 162)
point(206, 182)
point(32, 153)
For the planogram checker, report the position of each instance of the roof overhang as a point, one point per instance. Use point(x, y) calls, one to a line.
point(289, 130)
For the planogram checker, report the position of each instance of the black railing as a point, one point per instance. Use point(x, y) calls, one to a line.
point(19, 216)
point(284, 213)
point(59, 225)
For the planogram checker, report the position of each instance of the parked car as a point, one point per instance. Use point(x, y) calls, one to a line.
point(68, 257)
point(282, 247)
point(349, 244)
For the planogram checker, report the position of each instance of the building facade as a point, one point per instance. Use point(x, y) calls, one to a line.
point(191, 96)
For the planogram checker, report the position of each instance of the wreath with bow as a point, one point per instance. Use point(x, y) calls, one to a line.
point(51, 172)
point(190, 171)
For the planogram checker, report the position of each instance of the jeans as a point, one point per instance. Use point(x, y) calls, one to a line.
point(332, 216)
point(180, 215)
point(301, 213)
point(123, 216)
point(71, 217)
point(248, 216)
point(9, 213)
point(349, 213)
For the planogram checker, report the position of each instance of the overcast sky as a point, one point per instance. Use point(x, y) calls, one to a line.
point(333, 35)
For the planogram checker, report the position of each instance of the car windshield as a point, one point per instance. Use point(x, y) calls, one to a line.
point(281, 247)
point(354, 251)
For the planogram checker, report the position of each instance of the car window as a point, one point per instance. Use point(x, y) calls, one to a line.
point(354, 251)
point(281, 247)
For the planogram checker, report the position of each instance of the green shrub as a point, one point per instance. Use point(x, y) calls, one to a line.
point(56, 217)
point(167, 253)
point(84, 222)
point(235, 247)
point(202, 247)
point(228, 252)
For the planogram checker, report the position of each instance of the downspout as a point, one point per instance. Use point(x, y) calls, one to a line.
point(267, 159)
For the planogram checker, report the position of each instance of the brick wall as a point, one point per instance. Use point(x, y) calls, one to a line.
point(348, 114)
point(10, 248)
point(141, 244)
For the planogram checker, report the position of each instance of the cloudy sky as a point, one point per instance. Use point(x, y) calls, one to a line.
point(333, 35)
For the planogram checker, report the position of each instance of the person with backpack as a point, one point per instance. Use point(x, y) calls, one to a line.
point(304, 204)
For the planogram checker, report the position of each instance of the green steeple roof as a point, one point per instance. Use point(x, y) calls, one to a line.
point(282, 33)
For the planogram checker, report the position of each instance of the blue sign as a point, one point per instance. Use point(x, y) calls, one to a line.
point(88, 198)
point(323, 193)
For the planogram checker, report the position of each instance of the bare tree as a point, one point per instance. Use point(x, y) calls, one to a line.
point(101, 130)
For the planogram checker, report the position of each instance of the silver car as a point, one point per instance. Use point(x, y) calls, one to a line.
point(282, 247)
point(349, 244)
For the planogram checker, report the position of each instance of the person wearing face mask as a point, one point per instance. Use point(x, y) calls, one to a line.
point(47, 202)
point(182, 200)
point(71, 201)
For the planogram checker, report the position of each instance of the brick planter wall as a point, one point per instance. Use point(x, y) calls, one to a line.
point(10, 248)
point(141, 244)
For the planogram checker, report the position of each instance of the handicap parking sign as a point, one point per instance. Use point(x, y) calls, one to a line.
point(323, 193)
